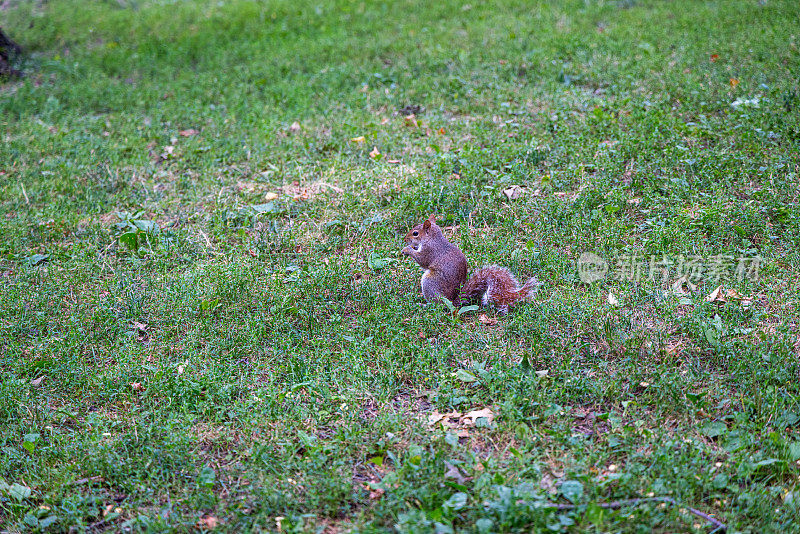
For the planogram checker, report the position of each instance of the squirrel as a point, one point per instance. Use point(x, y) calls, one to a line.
point(446, 272)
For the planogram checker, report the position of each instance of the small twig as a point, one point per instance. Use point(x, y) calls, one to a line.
point(25, 194)
point(634, 502)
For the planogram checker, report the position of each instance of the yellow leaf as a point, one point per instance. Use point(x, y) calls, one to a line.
point(374, 153)
point(360, 139)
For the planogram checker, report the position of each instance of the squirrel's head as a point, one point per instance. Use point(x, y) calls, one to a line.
point(422, 232)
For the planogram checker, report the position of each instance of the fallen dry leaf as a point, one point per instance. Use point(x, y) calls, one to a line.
point(376, 494)
point(733, 294)
point(442, 131)
point(188, 133)
point(411, 121)
point(270, 196)
point(513, 192)
point(734, 82)
point(295, 127)
point(37, 381)
point(614, 301)
point(137, 386)
point(445, 418)
point(168, 150)
point(454, 473)
point(470, 418)
point(714, 57)
point(358, 140)
point(485, 319)
point(208, 522)
point(716, 296)
point(393, 161)
point(435, 416)
point(374, 153)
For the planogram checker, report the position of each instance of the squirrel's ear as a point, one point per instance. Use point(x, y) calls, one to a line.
point(426, 224)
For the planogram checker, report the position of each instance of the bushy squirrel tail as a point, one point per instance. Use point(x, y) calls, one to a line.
point(497, 286)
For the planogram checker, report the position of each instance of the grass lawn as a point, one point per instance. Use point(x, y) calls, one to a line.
point(206, 323)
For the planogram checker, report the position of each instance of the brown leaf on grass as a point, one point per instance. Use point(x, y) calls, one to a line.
point(721, 296)
point(675, 349)
point(734, 295)
point(446, 418)
point(374, 153)
point(393, 161)
point(714, 57)
point(207, 522)
point(454, 473)
point(716, 296)
point(513, 192)
point(167, 152)
point(734, 82)
point(411, 121)
point(470, 418)
point(188, 133)
point(270, 196)
point(36, 382)
point(358, 140)
point(488, 321)
point(295, 127)
point(376, 493)
point(137, 386)
point(246, 187)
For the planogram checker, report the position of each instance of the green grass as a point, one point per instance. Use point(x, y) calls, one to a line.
point(179, 348)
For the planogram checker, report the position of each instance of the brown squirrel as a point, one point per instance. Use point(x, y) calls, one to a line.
point(446, 272)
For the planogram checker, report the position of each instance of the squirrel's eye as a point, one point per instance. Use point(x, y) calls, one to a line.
point(415, 234)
